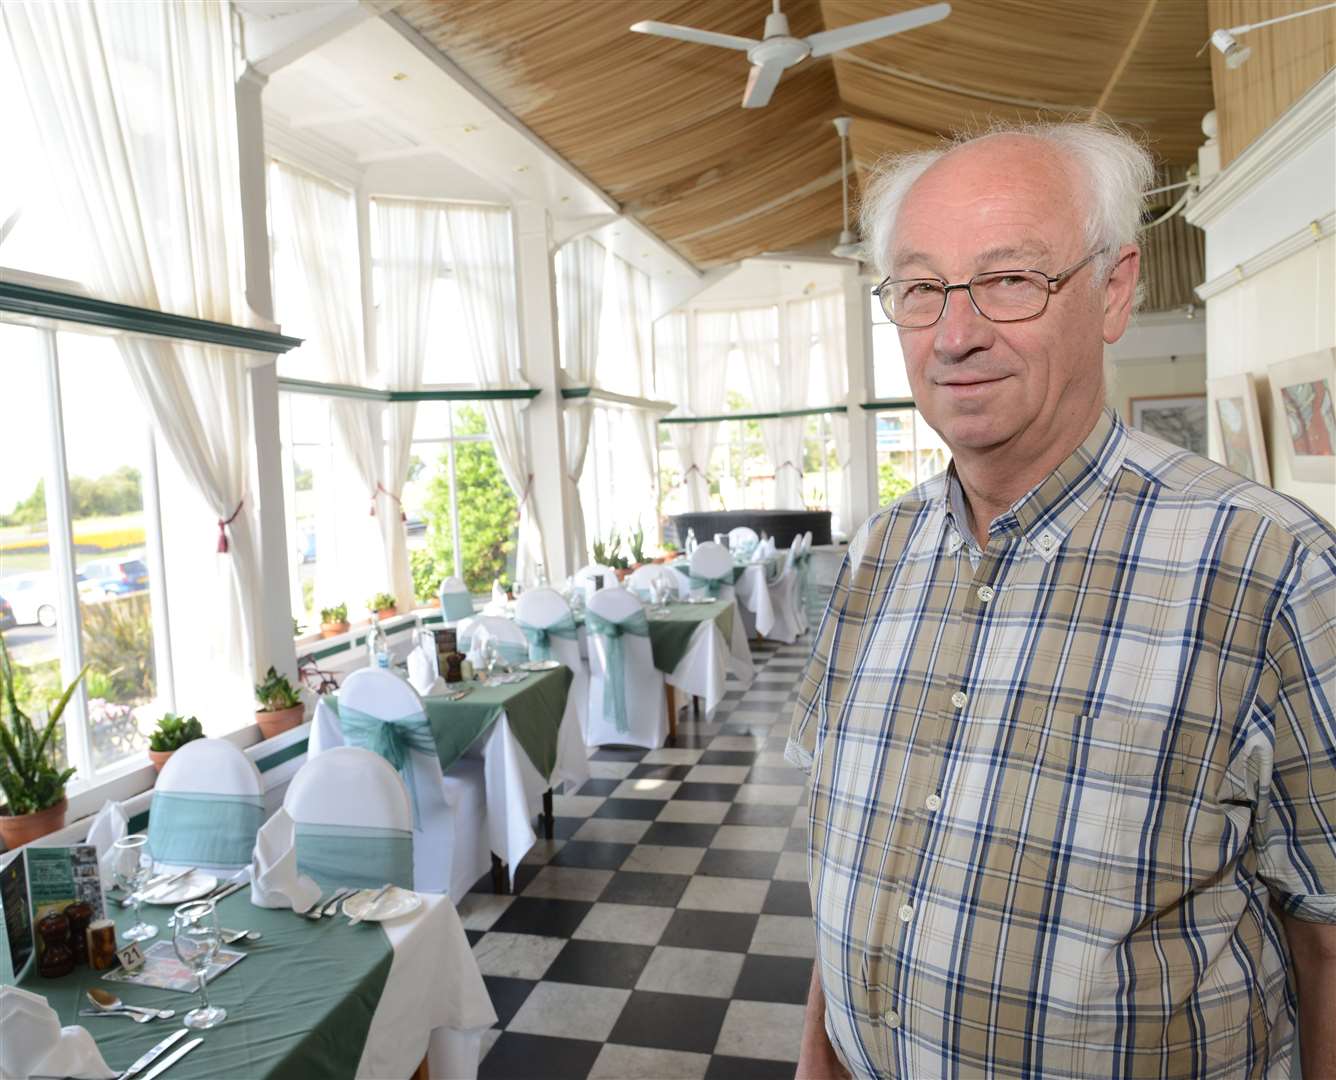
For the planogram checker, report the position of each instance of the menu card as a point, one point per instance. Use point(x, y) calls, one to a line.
point(38, 880)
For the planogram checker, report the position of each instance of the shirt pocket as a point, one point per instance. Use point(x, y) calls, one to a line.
point(1098, 805)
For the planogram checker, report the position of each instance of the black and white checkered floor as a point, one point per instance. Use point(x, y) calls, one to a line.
point(665, 933)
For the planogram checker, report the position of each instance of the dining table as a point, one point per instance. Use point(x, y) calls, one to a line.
point(311, 998)
point(753, 580)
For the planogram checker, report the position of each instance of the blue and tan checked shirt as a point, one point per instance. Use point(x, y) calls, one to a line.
point(1057, 783)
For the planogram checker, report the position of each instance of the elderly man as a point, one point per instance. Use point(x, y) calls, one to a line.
point(1071, 716)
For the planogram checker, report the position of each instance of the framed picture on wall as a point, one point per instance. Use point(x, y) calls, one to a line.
point(1242, 447)
point(1179, 419)
point(1304, 399)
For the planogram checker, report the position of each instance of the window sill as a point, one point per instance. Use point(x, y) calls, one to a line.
point(317, 648)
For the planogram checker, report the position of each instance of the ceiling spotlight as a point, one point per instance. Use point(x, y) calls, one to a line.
point(399, 76)
point(1228, 47)
point(1225, 41)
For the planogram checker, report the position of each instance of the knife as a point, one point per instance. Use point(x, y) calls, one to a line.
point(163, 887)
point(370, 905)
point(175, 1056)
point(144, 1061)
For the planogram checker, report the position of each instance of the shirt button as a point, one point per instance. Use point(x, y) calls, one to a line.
point(1046, 541)
point(933, 802)
point(892, 1019)
point(986, 593)
point(906, 912)
point(958, 699)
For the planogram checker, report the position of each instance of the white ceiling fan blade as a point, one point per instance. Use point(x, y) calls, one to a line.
point(846, 37)
point(761, 84)
point(696, 37)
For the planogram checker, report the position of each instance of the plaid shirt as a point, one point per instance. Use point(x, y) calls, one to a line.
point(1056, 782)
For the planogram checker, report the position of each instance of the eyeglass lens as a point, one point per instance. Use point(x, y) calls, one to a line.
point(1004, 296)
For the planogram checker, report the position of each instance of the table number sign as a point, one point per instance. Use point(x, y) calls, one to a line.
point(131, 957)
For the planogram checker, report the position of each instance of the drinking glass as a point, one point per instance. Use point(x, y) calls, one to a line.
point(489, 657)
point(196, 939)
point(132, 866)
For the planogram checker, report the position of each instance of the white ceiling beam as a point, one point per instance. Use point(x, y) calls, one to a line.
point(333, 116)
point(272, 42)
point(567, 229)
point(398, 153)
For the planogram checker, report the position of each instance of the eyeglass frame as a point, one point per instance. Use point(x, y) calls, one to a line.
point(1053, 281)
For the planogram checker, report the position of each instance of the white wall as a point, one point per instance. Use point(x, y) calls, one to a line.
point(1160, 376)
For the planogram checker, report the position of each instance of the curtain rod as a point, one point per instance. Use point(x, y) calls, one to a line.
point(780, 415)
point(369, 393)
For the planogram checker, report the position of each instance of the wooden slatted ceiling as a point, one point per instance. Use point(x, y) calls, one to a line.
point(658, 124)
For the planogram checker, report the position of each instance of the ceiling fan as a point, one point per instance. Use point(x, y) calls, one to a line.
point(777, 50)
point(850, 245)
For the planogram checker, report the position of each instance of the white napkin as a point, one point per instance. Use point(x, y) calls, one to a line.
point(110, 825)
point(275, 882)
point(498, 593)
point(422, 669)
point(33, 1044)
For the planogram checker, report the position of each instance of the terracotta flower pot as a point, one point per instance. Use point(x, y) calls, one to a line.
point(24, 828)
point(387, 613)
point(159, 758)
point(435, 601)
point(276, 721)
point(334, 629)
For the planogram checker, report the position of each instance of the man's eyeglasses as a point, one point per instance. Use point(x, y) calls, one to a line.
point(998, 295)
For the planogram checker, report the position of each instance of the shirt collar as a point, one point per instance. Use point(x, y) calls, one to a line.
point(1046, 515)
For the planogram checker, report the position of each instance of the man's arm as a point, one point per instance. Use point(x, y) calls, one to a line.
point(816, 1057)
point(1313, 951)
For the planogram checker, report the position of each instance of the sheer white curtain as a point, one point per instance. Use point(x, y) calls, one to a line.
point(828, 327)
point(319, 221)
point(625, 358)
point(135, 106)
point(694, 380)
point(776, 386)
point(483, 257)
point(409, 236)
point(580, 270)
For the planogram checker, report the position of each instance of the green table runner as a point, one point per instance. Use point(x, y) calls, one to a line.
point(770, 564)
point(670, 633)
point(299, 1004)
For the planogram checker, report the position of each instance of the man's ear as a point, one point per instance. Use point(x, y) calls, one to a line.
point(1120, 292)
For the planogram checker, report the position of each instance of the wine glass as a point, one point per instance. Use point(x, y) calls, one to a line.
point(131, 866)
point(196, 939)
point(489, 657)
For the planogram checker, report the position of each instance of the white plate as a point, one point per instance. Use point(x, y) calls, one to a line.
point(189, 888)
point(540, 665)
point(395, 903)
point(699, 600)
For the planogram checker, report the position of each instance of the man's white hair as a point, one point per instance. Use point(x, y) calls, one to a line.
point(1115, 168)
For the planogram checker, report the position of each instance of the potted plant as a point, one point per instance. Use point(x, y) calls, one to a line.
point(172, 733)
point(34, 787)
point(281, 706)
point(670, 552)
point(383, 604)
point(636, 542)
point(334, 620)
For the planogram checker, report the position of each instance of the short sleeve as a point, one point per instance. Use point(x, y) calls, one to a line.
point(1295, 827)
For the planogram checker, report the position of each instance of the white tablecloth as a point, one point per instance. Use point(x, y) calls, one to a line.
point(435, 1003)
point(704, 667)
point(753, 594)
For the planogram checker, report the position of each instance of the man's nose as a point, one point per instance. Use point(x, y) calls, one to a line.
point(961, 329)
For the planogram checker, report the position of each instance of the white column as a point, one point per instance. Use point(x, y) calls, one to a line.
point(254, 195)
point(541, 357)
point(862, 424)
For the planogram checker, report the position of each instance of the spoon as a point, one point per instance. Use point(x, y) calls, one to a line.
point(231, 937)
point(134, 1017)
point(109, 1002)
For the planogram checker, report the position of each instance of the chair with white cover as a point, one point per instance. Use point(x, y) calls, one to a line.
point(586, 578)
point(456, 600)
point(712, 570)
point(786, 597)
point(378, 711)
point(804, 562)
point(208, 804)
point(509, 640)
point(352, 820)
point(639, 580)
point(742, 540)
point(626, 699)
point(545, 619)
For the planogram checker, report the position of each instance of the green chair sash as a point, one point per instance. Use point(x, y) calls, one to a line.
point(393, 740)
point(710, 585)
point(355, 856)
point(211, 832)
point(540, 637)
point(456, 606)
point(614, 688)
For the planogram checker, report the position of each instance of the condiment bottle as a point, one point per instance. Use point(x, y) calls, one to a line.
point(57, 957)
point(102, 945)
point(80, 915)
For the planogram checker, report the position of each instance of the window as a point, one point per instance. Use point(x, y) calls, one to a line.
point(888, 362)
point(616, 486)
point(80, 562)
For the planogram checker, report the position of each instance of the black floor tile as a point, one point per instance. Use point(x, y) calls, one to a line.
point(654, 890)
point(670, 1021)
point(591, 855)
point(522, 1057)
point(507, 996)
point(630, 809)
point(619, 753)
point(722, 931)
point(758, 814)
point(534, 915)
point(797, 839)
point(707, 792)
point(680, 834)
point(598, 787)
point(686, 739)
point(474, 936)
point(747, 727)
point(745, 864)
point(659, 772)
point(728, 757)
point(524, 873)
point(599, 963)
point(563, 827)
point(788, 898)
point(722, 1067)
point(774, 978)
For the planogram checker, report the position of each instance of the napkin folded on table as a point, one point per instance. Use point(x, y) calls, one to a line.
point(275, 882)
point(33, 1044)
point(110, 824)
point(422, 669)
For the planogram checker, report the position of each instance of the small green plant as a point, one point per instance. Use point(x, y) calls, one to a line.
point(29, 779)
point(276, 693)
point(636, 542)
point(670, 547)
point(336, 614)
point(427, 574)
point(296, 628)
point(381, 601)
point(608, 553)
point(174, 731)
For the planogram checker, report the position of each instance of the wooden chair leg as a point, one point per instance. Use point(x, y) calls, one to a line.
point(549, 822)
point(672, 714)
point(500, 879)
point(421, 1073)
point(695, 705)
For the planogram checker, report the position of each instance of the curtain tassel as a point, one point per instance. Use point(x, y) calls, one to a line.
point(382, 490)
point(223, 547)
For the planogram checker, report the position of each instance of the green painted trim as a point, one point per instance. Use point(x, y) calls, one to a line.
point(34, 302)
point(138, 823)
point(887, 403)
point(359, 636)
point(278, 757)
point(754, 415)
point(368, 393)
point(575, 391)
